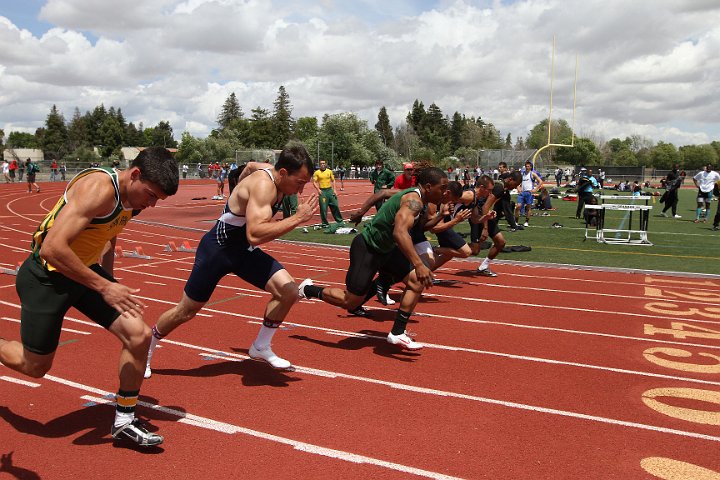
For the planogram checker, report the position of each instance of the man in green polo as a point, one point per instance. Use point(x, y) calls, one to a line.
point(381, 178)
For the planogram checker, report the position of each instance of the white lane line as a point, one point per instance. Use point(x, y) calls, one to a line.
point(440, 393)
point(230, 429)
point(19, 382)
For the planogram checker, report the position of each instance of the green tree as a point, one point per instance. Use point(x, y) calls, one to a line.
point(261, 129)
point(585, 152)
point(695, 157)
point(93, 121)
point(283, 124)
point(161, 135)
point(78, 134)
point(21, 140)
point(306, 128)
point(110, 136)
point(457, 128)
point(384, 128)
point(230, 111)
point(416, 116)
point(55, 139)
point(520, 143)
point(664, 156)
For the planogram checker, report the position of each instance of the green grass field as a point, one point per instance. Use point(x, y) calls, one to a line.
point(679, 245)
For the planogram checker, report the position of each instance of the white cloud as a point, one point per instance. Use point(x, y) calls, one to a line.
point(648, 68)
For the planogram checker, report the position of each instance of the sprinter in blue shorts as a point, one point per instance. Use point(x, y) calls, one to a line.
point(231, 246)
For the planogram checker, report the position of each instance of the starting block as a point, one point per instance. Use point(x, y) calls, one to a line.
point(11, 271)
point(184, 247)
point(137, 253)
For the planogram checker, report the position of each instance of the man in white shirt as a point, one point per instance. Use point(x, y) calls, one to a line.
point(705, 181)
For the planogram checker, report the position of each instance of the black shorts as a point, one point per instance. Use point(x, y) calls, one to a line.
point(46, 297)
point(364, 264)
point(30, 178)
point(451, 239)
point(214, 261)
point(475, 232)
point(493, 228)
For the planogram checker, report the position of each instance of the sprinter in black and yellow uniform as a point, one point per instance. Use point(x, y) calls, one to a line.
point(63, 271)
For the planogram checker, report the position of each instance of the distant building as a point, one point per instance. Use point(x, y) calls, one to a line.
point(34, 154)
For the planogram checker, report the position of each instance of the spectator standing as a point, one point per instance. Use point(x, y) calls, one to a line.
point(601, 178)
point(381, 178)
point(6, 171)
point(324, 182)
point(184, 170)
point(505, 203)
point(341, 175)
point(13, 169)
point(32, 170)
point(585, 185)
point(705, 182)
point(53, 170)
point(406, 179)
point(558, 176)
point(530, 184)
point(673, 181)
point(63, 171)
point(21, 170)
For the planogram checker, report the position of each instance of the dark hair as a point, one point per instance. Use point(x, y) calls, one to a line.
point(292, 159)
point(515, 176)
point(455, 188)
point(502, 164)
point(432, 175)
point(486, 181)
point(233, 177)
point(158, 166)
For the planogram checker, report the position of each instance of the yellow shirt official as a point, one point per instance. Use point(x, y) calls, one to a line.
point(324, 178)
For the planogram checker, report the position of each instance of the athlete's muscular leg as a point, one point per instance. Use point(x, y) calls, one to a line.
point(181, 313)
point(284, 293)
point(135, 337)
point(498, 245)
point(413, 292)
point(14, 356)
point(342, 298)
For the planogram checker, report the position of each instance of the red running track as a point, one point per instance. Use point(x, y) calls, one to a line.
point(542, 372)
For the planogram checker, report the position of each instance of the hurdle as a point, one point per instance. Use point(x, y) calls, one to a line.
point(623, 236)
point(11, 271)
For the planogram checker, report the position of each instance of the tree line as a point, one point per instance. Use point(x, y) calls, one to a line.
point(345, 139)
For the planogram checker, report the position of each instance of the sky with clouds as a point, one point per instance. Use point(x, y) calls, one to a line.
point(646, 67)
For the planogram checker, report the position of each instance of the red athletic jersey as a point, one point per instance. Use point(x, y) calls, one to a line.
point(401, 182)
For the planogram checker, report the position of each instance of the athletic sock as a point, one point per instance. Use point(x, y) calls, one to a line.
point(313, 291)
point(266, 333)
point(485, 264)
point(125, 406)
point(698, 213)
point(154, 339)
point(401, 320)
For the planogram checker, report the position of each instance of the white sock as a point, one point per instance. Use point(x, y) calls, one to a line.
point(485, 264)
point(265, 336)
point(154, 339)
point(122, 418)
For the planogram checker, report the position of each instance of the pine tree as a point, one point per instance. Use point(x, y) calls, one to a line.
point(230, 111)
point(416, 116)
point(78, 135)
point(55, 137)
point(457, 128)
point(282, 121)
point(384, 128)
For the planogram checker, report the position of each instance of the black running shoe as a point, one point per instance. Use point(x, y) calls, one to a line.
point(136, 432)
point(360, 312)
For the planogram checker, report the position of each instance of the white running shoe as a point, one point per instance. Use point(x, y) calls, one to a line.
point(136, 432)
point(526, 224)
point(301, 287)
point(388, 300)
point(148, 371)
point(486, 272)
point(403, 341)
point(677, 216)
point(267, 355)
